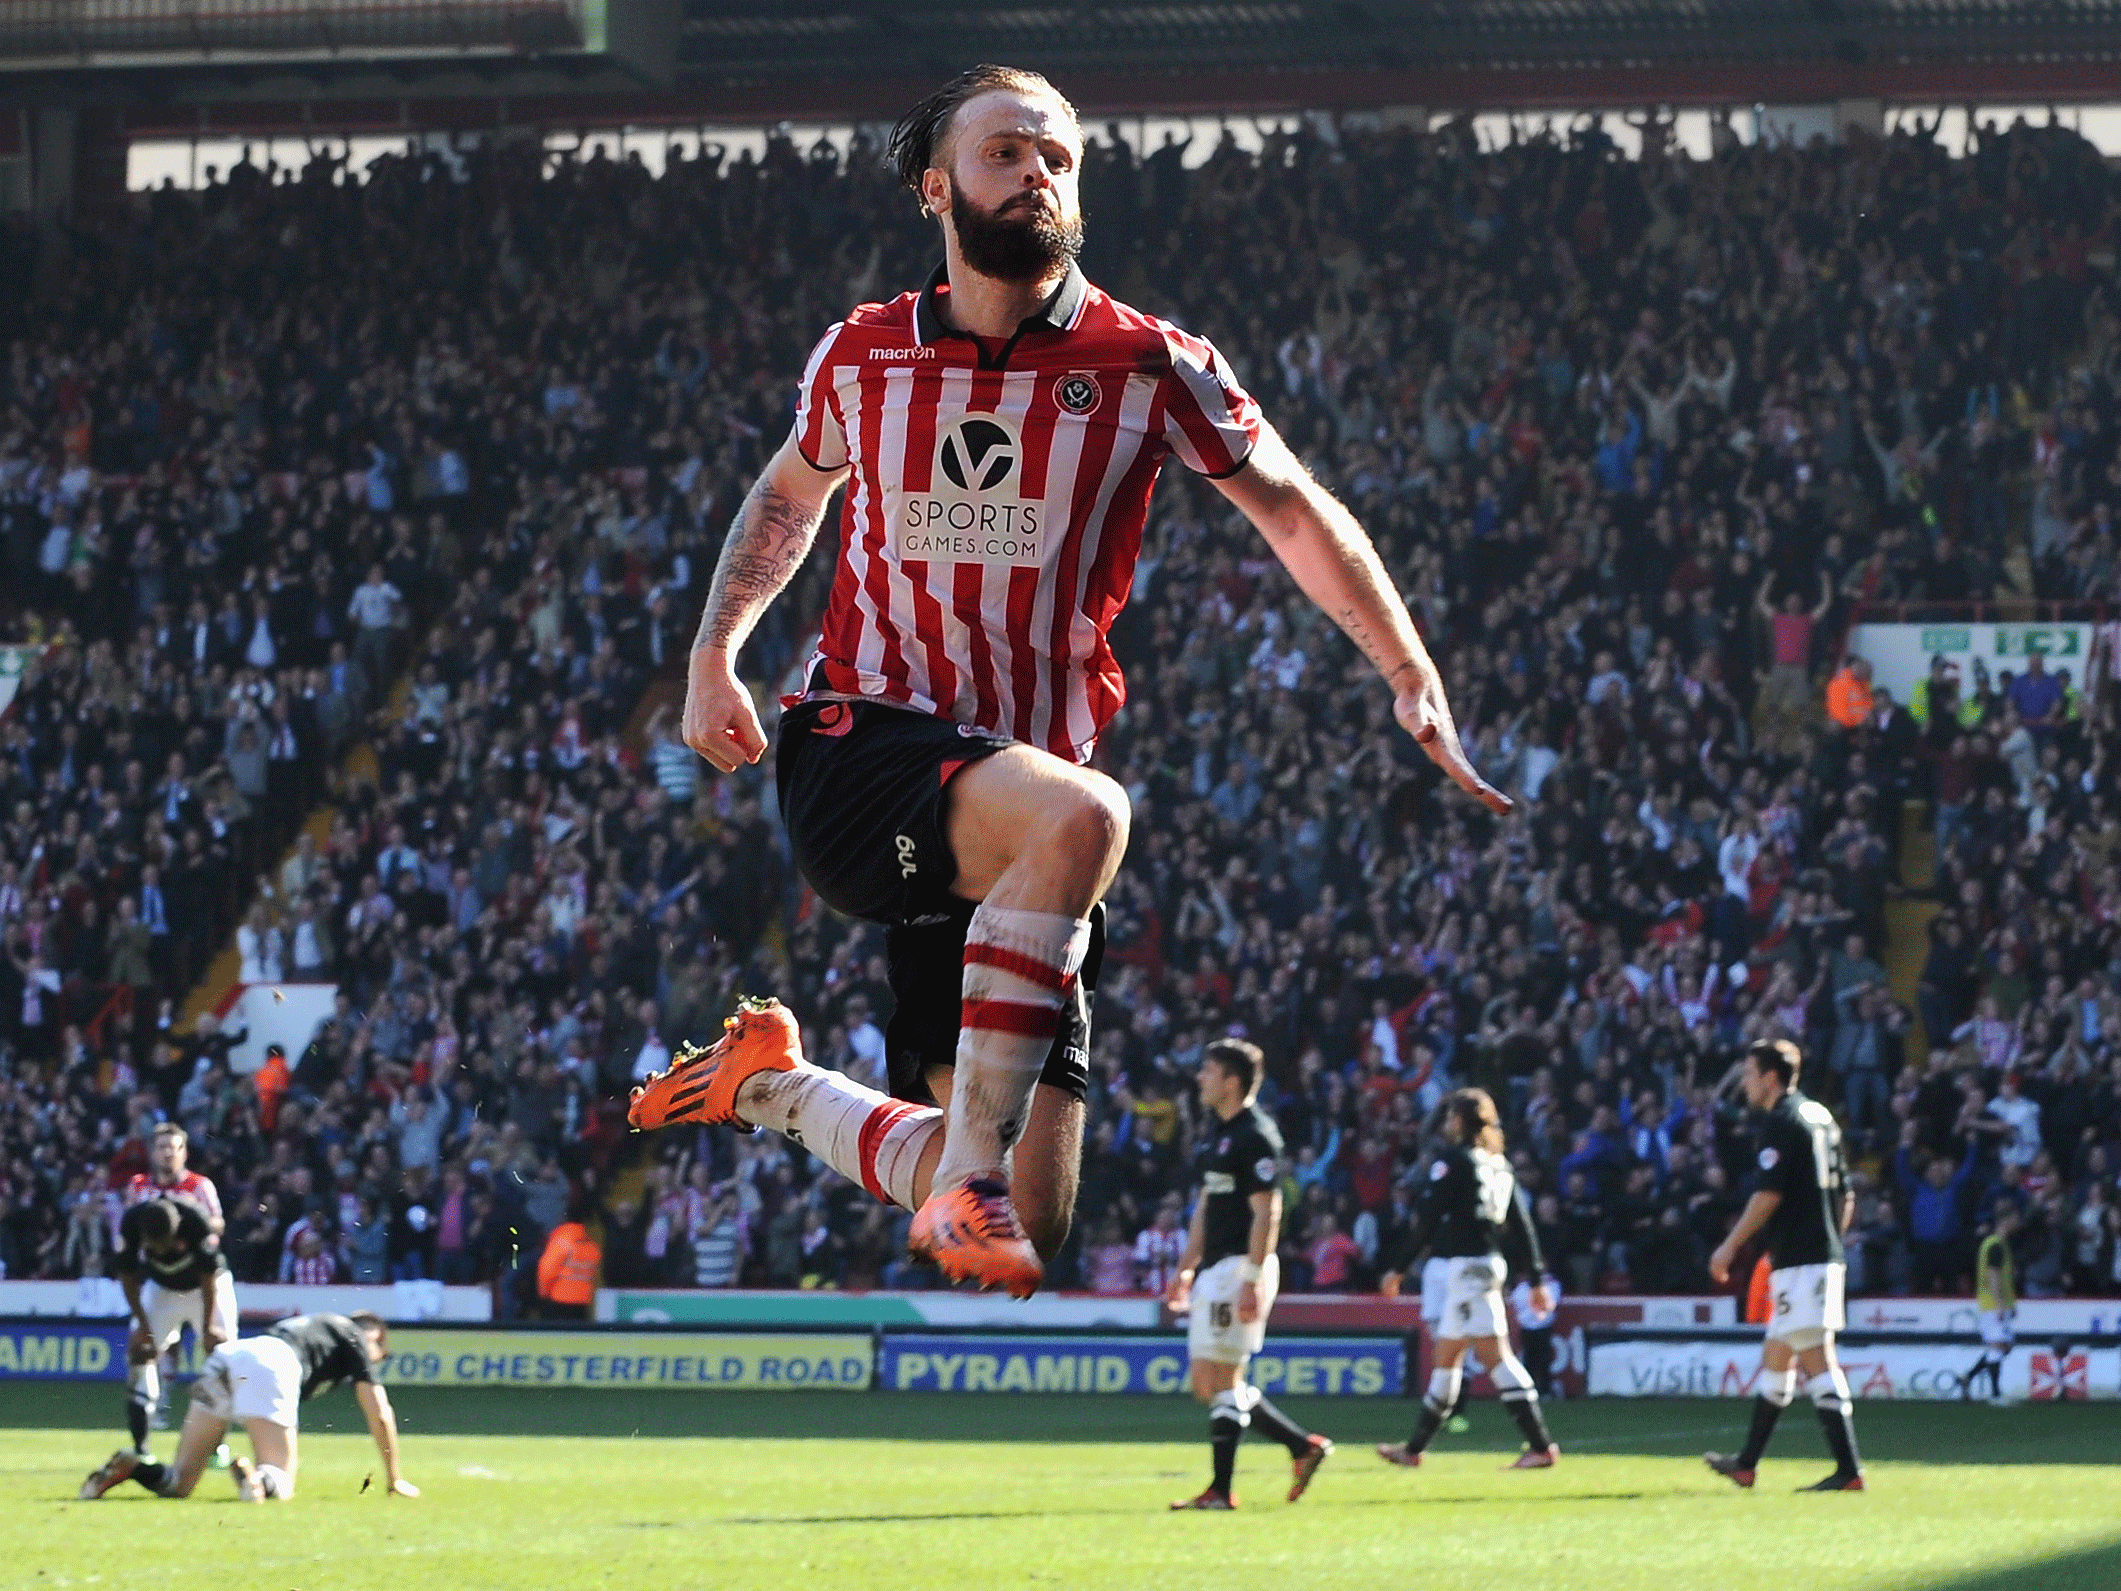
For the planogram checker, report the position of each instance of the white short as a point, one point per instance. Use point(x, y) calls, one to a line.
point(1472, 1298)
point(1807, 1304)
point(1213, 1331)
point(258, 1378)
point(1435, 1283)
point(168, 1313)
point(1999, 1327)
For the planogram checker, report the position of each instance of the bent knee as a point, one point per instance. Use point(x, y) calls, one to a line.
point(1094, 822)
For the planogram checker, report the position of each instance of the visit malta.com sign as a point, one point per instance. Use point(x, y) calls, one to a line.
point(1623, 1368)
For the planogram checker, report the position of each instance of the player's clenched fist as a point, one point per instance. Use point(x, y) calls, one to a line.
point(720, 722)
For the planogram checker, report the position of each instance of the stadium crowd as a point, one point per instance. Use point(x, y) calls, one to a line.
point(402, 493)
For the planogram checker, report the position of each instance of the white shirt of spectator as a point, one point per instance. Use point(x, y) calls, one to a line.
point(261, 955)
point(1528, 1318)
point(654, 1057)
point(1734, 860)
point(2022, 1116)
point(375, 605)
point(1281, 666)
point(1386, 1038)
point(1539, 761)
point(866, 1040)
point(1611, 683)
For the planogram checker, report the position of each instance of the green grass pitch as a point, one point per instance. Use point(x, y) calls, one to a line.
point(713, 1490)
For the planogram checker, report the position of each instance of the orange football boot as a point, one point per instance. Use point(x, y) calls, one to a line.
point(971, 1233)
point(1302, 1469)
point(701, 1085)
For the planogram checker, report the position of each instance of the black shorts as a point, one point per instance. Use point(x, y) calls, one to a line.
point(861, 787)
point(927, 964)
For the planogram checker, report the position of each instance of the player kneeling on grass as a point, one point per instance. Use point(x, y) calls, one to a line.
point(1226, 1283)
point(1470, 1208)
point(262, 1381)
point(1802, 1203)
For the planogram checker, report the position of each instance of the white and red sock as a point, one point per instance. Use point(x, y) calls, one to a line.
point(865, 1136)
point(1019, 966)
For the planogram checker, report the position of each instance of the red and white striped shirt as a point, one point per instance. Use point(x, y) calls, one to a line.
point(200, 1190)
point(998, 498)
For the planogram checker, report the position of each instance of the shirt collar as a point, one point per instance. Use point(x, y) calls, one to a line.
point(1056, 314)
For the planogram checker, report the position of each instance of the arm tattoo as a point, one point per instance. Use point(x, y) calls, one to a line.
point(767, 544)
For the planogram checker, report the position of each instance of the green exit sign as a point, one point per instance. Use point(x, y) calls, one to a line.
point(1948, 639)
point(2022, 640)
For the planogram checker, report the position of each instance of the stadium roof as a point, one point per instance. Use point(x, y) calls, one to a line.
point(753, 40)
point(408, 63)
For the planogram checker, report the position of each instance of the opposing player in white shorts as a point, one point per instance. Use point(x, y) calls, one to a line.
point(260, 1382)
point(1435, 1296)
point(1801, 1204)
point(1471, 1212)
point(170, 1264)
point(1228, 1277)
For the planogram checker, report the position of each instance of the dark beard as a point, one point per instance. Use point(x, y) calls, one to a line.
point(1023, 245)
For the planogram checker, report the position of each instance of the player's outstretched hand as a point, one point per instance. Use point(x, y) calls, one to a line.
point(1248, 1302)
point(1179, 1296)
point(401, 1487)
point(720, 723)
point(1424, 713)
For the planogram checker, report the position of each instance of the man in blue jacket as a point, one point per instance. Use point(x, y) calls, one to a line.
point(1936, 1213)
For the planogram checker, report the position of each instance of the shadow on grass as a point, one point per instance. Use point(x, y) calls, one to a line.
point(1136, 1513)
point(2087, 1569)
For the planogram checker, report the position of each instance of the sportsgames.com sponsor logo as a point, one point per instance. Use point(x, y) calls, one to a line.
point(977, 512)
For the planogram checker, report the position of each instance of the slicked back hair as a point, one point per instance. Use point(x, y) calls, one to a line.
point(918, 138)
point(1241, 1059)
point(1779, 1056)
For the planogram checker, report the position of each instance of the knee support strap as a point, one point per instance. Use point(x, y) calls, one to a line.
point(1829, 1389)
point(1231, 1405)
point(1512, 1380)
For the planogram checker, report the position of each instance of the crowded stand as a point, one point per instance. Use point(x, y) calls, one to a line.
point(393, 496)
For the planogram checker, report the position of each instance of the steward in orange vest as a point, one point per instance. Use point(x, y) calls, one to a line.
point(567, 1272)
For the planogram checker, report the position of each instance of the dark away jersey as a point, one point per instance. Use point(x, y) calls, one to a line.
point(1239, 1163)
point(1800, 1158)
point(331, 1347)
point(1470, 1206)
point(198, 1257)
